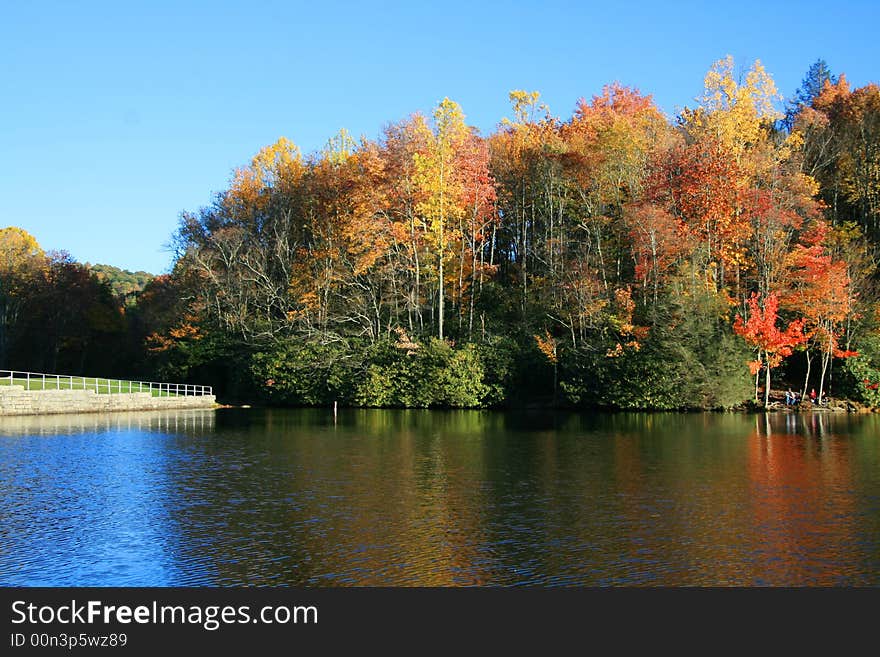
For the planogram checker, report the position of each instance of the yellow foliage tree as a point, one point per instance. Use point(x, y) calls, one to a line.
point(733, 110)
point(21, 260)
point(436, 173)
point(17, 248)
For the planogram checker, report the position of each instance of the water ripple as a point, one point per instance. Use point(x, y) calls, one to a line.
point(451, 499)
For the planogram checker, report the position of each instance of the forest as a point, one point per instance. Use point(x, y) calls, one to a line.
point(617, 258)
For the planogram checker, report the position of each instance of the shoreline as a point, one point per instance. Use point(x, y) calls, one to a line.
point(839, 406)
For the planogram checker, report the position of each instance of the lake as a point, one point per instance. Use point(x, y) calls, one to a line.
point(448, 498)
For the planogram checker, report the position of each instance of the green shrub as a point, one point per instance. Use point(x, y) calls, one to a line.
point(433, 375)
point(859, 377)
point(306, 374)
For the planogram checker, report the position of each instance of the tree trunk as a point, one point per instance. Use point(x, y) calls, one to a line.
point(807, 378)
point(461, 253)
point(826, 360)
point(417, 293)
point(757, 378)
point(442, 221)
point(473, 285)
point(440, 304)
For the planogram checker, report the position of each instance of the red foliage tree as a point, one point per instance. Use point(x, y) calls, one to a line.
point(771, 343)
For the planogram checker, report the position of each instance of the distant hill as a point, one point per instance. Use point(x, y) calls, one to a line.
point(124, 283)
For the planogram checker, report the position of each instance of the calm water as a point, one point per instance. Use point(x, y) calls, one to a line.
point(251, 497)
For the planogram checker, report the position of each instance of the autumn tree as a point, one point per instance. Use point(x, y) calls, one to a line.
point(704, 187)
point(457, 198)
point(244, 245)
point(711, 181)
point(659, 241)
point(820, 293)
point(526, 163)
point(477, 226)
point(733, 110)
point(841, 130)
point(771, 343)
point(400, 144)
point(611, 142)
point(22, 263)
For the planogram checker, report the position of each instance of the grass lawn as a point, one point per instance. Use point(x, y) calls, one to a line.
point(101, 386)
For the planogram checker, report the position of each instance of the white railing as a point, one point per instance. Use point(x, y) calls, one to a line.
point(40, 381)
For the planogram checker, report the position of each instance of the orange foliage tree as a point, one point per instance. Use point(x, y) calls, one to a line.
point(819, 292)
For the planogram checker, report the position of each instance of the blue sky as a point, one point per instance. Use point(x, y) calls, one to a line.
point(116, 116)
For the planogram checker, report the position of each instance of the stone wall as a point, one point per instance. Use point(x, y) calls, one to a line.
point(15, 400)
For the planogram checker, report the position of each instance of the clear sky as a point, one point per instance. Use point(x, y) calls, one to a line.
point(116, 116)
